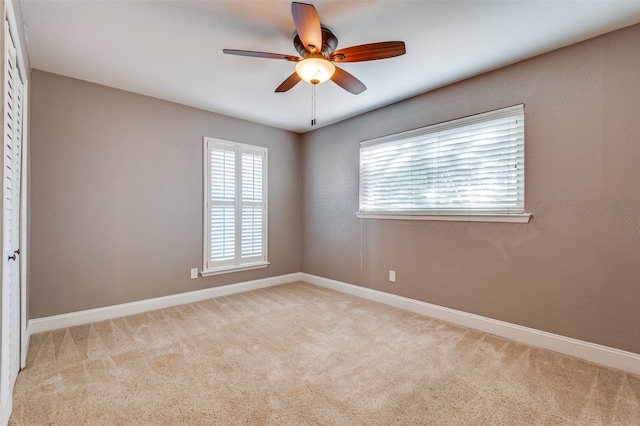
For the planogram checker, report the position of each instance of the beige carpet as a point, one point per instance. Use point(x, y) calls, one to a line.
point(304, 355)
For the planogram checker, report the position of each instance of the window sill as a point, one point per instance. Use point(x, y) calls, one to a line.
point(499, 218)
point(230, 269)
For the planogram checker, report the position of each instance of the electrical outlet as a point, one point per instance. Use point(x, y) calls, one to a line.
point(392, 276)
point(194, 273)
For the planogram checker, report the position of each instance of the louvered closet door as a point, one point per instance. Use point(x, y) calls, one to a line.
point(12, 158)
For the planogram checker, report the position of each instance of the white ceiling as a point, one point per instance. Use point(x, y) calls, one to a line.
point(173, 49)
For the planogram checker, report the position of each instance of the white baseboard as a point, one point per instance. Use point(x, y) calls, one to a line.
point(55, 322)
point(7, 408)
point(24, 345)
point(599, 354)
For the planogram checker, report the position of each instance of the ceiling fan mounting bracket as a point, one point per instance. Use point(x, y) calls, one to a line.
point(329, 44)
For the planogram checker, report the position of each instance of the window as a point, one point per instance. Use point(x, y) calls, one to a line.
point(235, 200)
point(466, 169)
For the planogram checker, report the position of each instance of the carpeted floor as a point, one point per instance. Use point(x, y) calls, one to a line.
point(304, 355)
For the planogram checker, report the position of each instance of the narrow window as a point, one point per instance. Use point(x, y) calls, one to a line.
point(235, 201)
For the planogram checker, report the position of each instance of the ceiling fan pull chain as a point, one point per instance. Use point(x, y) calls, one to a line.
point(313, 104)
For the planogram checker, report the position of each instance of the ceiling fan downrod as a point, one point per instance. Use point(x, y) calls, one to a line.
point(313, 102)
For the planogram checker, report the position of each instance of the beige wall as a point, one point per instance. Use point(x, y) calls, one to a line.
point(116, 195)
point(574, 269)
point(116, 199)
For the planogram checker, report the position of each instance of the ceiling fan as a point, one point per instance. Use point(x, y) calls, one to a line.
point(316, 45)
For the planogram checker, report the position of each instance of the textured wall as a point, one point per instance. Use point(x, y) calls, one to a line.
point(116, 195)
point(574, 269)
point(116, 199)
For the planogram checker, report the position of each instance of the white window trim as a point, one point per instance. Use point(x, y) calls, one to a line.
point(230, 269)
point(453, 216)
point(497, 218)
point(226, 269)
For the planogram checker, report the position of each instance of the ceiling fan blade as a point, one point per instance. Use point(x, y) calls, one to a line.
point(291, 81)
point(308, 27)
point(369, 52)
point(348, 82)
point(260, 54)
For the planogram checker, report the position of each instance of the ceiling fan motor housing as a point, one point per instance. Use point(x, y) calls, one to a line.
point(329, 44)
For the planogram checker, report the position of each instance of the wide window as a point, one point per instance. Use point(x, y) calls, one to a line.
point(235, 217)
point(466, 169)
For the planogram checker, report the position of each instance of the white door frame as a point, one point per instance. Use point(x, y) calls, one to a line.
point(24, 227)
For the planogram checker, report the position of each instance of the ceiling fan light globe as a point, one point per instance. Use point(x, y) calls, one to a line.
point(315, 70)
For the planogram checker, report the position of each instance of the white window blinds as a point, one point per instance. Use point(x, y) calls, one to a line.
point(222, 204)
point(474, 165)
point(235, 205)
point(252, 205)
